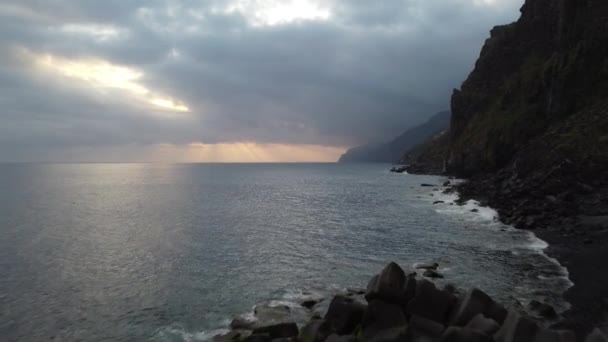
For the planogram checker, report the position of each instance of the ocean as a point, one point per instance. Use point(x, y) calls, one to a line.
point(171, 252)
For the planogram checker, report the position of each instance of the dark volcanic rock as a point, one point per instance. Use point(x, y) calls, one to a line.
point(278, 330)
point(431, 303)
point(482, 324)
point(388, 285)
point(380, 316)
point(516, 328)
point(542, 309)
point(338, 338)
point(309, 304)
point(597, 336)
point(257, 338)
point(457, 334)
point(432, 274)
point(476, 302)
point(344, 314)
point(316, 330)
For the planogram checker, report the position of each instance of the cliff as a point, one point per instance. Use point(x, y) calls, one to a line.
point(392, 151)
point(529, 130)
point(531, 75)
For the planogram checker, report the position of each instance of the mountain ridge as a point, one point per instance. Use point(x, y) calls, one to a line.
point(392, 151)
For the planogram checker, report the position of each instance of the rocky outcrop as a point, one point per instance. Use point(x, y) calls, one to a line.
point(403, 308)
point(531, 75)
point(429, 157)
point(529, 131)
point(392, 151)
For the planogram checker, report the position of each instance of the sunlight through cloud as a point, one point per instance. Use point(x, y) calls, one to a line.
point(98, 73)
point(272, 12)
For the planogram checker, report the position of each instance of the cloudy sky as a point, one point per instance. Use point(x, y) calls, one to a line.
point(228, 80)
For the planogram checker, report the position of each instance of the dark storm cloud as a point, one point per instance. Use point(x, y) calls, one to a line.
point(369, 71)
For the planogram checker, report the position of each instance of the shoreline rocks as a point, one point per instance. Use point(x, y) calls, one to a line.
point(401, 307)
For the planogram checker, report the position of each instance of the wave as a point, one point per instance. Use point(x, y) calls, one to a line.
point(472, 210)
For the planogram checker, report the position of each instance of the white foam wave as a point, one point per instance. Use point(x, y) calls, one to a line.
point(473, 211)
point(179, 334)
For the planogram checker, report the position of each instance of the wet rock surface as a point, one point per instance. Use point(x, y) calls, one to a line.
point(401, 307)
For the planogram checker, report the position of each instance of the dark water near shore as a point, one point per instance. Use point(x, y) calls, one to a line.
point(170, 252)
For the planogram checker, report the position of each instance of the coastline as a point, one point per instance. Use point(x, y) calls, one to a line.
point(568, 243)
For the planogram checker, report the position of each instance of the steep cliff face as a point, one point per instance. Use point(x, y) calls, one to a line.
point(531, 75)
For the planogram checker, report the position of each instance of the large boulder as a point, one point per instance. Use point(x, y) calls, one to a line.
point(431, 303)
point(257, 338)
point(388, 285)
point(266, 314)
point(343, 338)
point(397, 334)
point(277, 330)
point(546, 335)
point(317, 330)
point(516, 328)
point(458, 334)
point(232, 336)
point(476, 302)
point(425, 326)
point(380, 316)
point(344, 314)
point(542, 309)
point(597, 336)
point(482, 324)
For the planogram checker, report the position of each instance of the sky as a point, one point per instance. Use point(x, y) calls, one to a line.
point(228, 81)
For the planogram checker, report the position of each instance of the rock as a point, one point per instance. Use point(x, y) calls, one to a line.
point(397, 334)
point(272, 314)
point(542, 309)
point(356, 291)
point(344, 338)
point(380, 316)
point(278, 330)
point(427, 185)
point(257, 338)
point(315, 331)
point(482, 324)
point(344, 314)
point(432, 274)
point(240, 323)
point(546, 335)
point(438, 202)
point(426, 326)
point(399, 169)
point(476, 302)
point(388, 285)
point(451, 289)
point(232, 336)
point(474, 210)
point(516, 328)
point(285, 339)
point(309, 304)
point(446, 183)
point(432, 266)
point(596, 336)
point(457, 334)
point(431, 303)
point(409, 290)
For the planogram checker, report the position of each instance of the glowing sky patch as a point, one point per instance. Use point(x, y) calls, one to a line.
point(99, 32)
point(98, 73)
point(273, 12)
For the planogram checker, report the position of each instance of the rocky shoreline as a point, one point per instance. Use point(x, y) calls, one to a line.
point(403, 306)
point(565, 210)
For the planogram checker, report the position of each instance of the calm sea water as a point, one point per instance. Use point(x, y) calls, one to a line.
point(170, 252)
